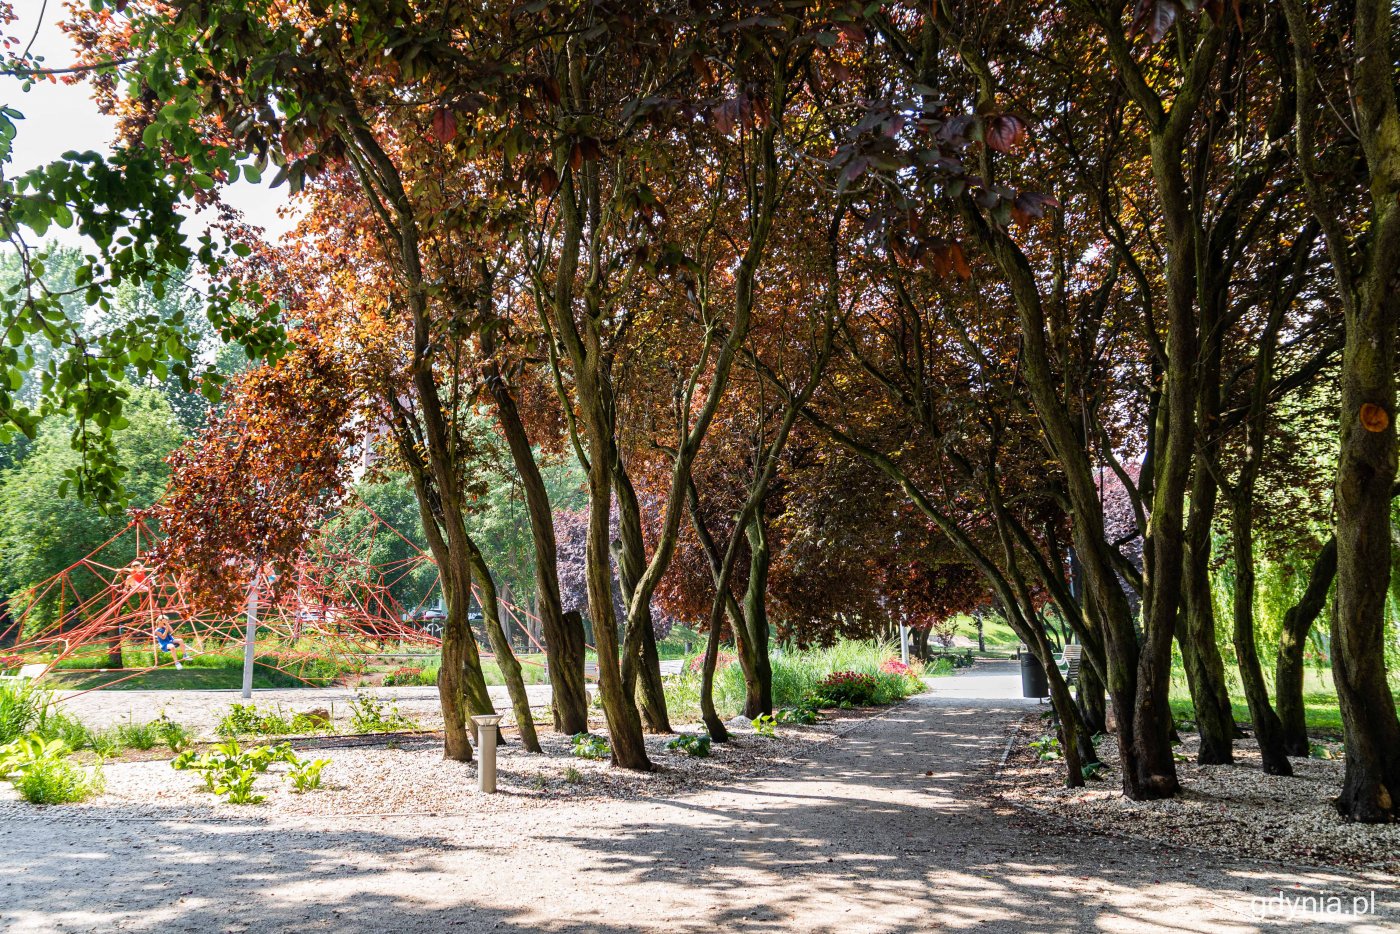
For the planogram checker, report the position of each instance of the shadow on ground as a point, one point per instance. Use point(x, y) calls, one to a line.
point(886, 831)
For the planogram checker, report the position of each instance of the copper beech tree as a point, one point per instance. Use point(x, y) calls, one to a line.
point(845, 305)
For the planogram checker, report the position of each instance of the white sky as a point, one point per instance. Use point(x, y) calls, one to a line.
point(62, 117)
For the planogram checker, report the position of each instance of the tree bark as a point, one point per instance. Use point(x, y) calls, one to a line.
point(563, 637)
point(1293, 640)
point(505, 657)
point(1205, 671)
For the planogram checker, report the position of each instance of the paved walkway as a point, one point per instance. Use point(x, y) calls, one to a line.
point(886, 831)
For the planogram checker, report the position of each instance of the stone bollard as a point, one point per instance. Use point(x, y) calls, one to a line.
point(486, 751)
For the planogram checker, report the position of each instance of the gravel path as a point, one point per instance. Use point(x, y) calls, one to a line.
point(884, 829)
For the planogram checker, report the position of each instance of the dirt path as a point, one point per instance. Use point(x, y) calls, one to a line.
point(886, 832)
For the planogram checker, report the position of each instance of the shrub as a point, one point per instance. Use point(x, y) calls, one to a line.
point(58, 781)
point(61, 726)
point(232, 772)
point(247, 720)
point(175, 735)
point(590, 746)
point(406, 675)
point(369, 714)
point(804, 712)
point(893, 666)
point(106, 743)
point(22, 705)
point(694, 744)
point(848, 688)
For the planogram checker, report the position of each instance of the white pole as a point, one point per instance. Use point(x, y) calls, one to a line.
point(904, 643)
point(248, 639)
point(486, 751)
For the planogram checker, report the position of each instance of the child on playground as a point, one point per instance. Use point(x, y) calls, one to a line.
point(167, 641)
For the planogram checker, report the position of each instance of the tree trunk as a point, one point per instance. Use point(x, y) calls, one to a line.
point(642, 668)
point(1091, 700)
point(1268, 730)
point(505, 657)
point(1205, 671)
point(563, 635)
point(1293, 640)
point(1366, 469)
point(758, 668)
point(713, 724)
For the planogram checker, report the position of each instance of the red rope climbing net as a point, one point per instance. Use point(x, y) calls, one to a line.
point(340, 612)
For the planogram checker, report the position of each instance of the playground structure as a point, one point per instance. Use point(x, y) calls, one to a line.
point(338, 611)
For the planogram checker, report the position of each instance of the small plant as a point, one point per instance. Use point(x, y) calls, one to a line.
point(54, 780)
point(572, 775)
point(1319, 751)
point(765, 725)
point(804, 712)
point(231, 771)
point(141, 736)
point(1047, 748)
point(410, 676)
point(369, 714)
point(175, 735)
point(693, 744)
point(247, 720)
point(106, 743)
point(40, 771)
point(237, 784)
point(22, 706)
point(21, 754)
point(590, 746)
point(306, 774)
point(1091, 770)
point(540, 783)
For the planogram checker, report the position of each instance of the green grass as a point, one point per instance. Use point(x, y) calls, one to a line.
point(996, 634)
point(165, 679)
point(1319, 701)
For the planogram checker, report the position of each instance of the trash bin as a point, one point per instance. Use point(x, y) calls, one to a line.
point(1033, 680)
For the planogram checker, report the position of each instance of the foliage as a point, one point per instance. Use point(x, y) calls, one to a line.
point(409, 675)
point(1047, 748)
point(22, 704)
point(42, 534)
point(305, 774)
point(39, 769)
point(589, 746)
point(58, 781)
point(765, 725)
point(805, 712)
point(848, 689)
point(693, 744)
point(266, 469)
point(175, 735)
point(370, 714)
point(138, 735)
point(232, 771)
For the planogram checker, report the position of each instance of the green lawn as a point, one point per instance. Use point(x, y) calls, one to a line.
point(161, 679)
point(996, 634)
point(1319, 700)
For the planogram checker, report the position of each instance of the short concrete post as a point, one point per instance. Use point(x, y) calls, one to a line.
point(486, 751)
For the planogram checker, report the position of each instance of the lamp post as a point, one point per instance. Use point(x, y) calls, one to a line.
point(485, 724)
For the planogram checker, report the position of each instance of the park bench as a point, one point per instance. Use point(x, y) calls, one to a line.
point(1068, 663)
point(590, 671)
